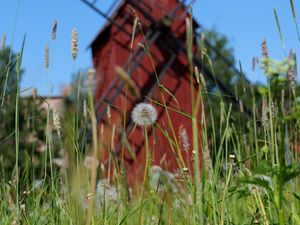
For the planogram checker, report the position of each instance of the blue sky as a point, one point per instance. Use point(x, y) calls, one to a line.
point(245, 23)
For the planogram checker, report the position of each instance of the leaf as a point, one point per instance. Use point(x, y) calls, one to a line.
point(294, 16)
point(289, 172)
point(279, 29)
point(296, 196)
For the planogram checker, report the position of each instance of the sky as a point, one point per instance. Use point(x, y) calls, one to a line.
point(245, 23)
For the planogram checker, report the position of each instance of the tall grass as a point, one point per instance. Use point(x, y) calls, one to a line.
point(250, 164)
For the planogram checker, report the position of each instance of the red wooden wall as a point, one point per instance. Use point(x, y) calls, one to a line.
point(110, 49)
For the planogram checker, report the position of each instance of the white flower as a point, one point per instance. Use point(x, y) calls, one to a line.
point(144, 114)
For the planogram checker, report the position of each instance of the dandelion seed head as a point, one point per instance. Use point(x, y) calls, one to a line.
point(90, 161)
point(106, 192)
point(144, 114)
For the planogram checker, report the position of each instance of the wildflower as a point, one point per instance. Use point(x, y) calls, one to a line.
point(144, 114)
point(54, 29)
point(90, 161)
point(47, 57)
point(74, 46)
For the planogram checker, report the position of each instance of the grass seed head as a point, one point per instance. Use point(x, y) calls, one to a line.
point(47, 56)
point(74, 44)
point(54, 29)
point(3, 40)
point(184, 138)
point(56, 122)
point(264, 49)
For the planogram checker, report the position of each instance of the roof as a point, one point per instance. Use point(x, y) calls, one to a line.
point(109, 22)
point(104, 31)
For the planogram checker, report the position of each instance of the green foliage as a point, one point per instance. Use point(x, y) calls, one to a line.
point(32, 120)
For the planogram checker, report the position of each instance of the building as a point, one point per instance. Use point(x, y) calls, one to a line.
point(157, 52)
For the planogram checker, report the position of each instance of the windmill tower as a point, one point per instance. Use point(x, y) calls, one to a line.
point(157, 52)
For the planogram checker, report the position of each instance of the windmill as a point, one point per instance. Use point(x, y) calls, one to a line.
point(156, 64)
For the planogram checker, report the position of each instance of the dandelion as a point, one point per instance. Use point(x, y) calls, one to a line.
point(144, 114)
point(106, 192)
point(74, 46)
point(90, 161)
point(54, 29)
point(47, 56)
point(161, 179)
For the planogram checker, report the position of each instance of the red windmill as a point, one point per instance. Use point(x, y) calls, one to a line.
point(158, 53)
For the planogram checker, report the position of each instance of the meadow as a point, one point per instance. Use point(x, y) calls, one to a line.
point(50, 172)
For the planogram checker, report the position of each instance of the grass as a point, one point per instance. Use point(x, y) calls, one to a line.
point(250, 163)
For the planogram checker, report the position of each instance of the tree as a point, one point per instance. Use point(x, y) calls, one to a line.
point(32, 122)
